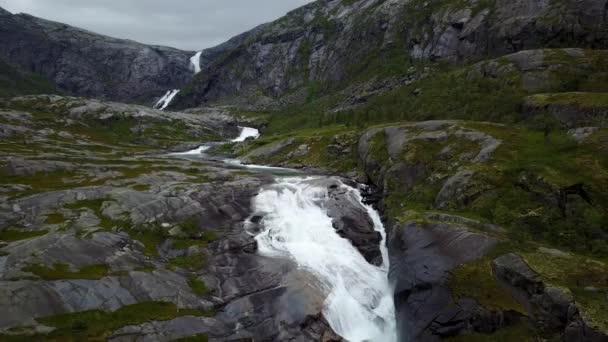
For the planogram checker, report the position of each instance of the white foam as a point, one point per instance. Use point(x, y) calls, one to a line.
point(247, 132)
point(196, 151)
point(359, 302)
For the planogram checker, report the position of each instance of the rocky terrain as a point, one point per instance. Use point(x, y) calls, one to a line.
point(487, 239)
point(478, 129)
point(105, 235)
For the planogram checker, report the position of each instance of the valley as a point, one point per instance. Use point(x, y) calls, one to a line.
point(369, 170)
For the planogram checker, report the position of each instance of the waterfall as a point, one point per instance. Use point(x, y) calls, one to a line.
point(247, 132)
point(359, 300)
point(164, 101)
point(195, 61)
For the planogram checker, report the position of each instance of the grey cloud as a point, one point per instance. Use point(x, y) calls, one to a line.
point(185, 24)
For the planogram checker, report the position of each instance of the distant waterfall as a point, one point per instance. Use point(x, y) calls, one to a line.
point(164, 101)
point(196, 62)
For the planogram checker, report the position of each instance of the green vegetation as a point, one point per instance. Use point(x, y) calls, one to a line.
point(96, 206)
point(577, 98)
point(63, 271)
point(586, 279)
point(14, 81)
point(521, 332)
point(198, 286)
point(476, 280)
point(11, 235)
point(55, 218)
point(193, 262)
point(98, 325)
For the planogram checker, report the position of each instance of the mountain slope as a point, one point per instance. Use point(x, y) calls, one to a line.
point(14, 81)
point(329, 44)
point(83, 63)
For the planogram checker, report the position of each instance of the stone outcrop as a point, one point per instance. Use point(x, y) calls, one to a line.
point(422, 255)
point(552, 308)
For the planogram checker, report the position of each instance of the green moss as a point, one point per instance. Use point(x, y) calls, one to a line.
point(62, 271)
point(521, 332)
point(55, 218)
point(151, 238)
point(578, 274)
point(192, 262)
point(591, 100)
point(196, 338)
point(141, 187)
point(476, 280)
point(98, 325)
point(201, 240)
point(11, 235)
point(198, 286)
point(96, 206)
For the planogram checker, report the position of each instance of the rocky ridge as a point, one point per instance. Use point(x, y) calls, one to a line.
point(331, 43)
point(82, 63)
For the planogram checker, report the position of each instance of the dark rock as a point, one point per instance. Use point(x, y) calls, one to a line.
point(553, 309)
point(421, 257)
point(351, 220)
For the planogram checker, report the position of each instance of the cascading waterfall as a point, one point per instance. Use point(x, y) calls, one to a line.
point(195, 62)
point(359, 300)
point(164, 101)
point(246, 133)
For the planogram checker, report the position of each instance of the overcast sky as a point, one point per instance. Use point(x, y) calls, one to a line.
point(184, 24)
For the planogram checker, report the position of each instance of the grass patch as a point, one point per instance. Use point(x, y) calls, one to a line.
point(476, 280)
point(96, 206)
point(55, 218)
point(193, 262)
point(520, 332)
point(11, 235)
point(577, 98)
point(199, 287)
point(579, 274)
point(98, 325)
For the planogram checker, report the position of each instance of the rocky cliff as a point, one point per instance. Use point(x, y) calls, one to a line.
point(86, 64)
point(332, 43)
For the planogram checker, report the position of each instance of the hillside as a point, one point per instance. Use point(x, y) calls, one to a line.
point(367, 45)
point(412, 171)
point(83, 63)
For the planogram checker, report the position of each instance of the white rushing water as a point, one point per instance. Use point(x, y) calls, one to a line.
point(196, 151)
point(164, 101)
point(247, 132)
point(196, 62)
point(359, 300)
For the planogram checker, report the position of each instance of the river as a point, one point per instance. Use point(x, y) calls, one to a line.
point(295, 224)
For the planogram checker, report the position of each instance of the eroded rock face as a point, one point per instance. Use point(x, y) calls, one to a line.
point(321, 41)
